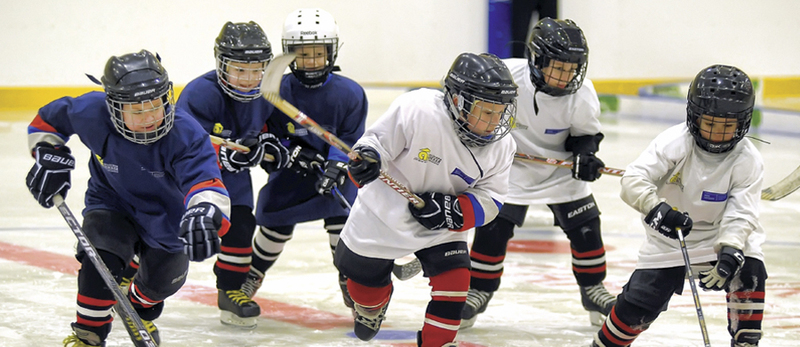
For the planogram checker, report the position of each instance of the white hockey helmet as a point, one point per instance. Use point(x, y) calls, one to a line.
point(311, 26)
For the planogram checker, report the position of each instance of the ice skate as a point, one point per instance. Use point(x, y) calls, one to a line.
point(419, 341)
point(746, 338)
point(477, 301)
point(252, 283)
point(368, 320)
point(134, 333)
point(82, 337)
point(598, 302)
point(237, 309)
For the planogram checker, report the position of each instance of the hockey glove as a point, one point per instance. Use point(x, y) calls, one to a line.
point(586, 166)
point(273, 147)
point(667, 220)
point(50, 175)
point(199, 227)
point(235, 161)
point(334, 176)
point(440, 211)
point(304, 160)
point(366, 168)
point(730, 260)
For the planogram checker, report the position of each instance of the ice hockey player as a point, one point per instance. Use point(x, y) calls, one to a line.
point(451, 147)
point(154, 188)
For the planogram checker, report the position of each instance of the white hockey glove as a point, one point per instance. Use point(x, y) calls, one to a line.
point(730, 260)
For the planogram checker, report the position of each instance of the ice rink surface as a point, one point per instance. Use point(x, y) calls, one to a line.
point(537, 305)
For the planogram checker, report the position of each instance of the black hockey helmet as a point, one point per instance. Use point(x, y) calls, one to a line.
point(560, 40)
point(138, 78)
point(241, 43)
point(479, 77)
point(720, 91)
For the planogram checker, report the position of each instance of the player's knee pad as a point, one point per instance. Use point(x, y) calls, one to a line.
point(371, 272)
point(634, 316)
point(751, 277)
point(572, 215)
point(585, 236)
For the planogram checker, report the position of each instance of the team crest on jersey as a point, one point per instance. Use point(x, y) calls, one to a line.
point(109, 167)
point(676, 180)
point(217, 130)
point(425, 156)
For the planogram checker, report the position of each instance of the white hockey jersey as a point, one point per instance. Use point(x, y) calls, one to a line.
point(543, 134)
point(419, 147)
point(721, 193)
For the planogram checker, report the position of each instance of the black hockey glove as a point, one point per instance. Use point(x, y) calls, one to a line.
point(334, 176)
point(50, 175)
point(365, 169)
point(304, 160)
point(272, 146)
point(730, 260)
point(586, 166)
point(200, 225)
point(235, 161)
point(666, 220)
point(440, 211)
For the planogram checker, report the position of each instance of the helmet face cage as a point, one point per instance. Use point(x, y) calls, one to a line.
point(242, 52)
point(142, 115)
point(557, 56)
point(719, 108)
point(480, 95)
point(314, 36)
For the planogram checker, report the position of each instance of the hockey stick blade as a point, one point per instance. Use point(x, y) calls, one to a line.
point(124, 308)
point(270, 86)
point(563, 163)
point(783, 188)
point(408, 270)
point(236, 147)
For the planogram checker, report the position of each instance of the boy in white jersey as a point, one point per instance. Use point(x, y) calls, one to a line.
point(451, 148)
point(557, 117)
point(708, 170)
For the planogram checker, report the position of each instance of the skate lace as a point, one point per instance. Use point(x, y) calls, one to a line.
point(148, 325)
point(598, 295)
point(238, 297)
point(370, 317)
point(744, 344)
point(477, 298)
point(251, 286)
point(73, 341)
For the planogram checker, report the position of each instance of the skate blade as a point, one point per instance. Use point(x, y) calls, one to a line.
point(596, 318)
point(468, 323)
point(228, 318)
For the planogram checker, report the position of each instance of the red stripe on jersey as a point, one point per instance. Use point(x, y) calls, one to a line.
point(212, 183)
point(40, 124)
point(234, 268)
point(589, 254)
point(622, 326)
point(236, 250)
point(591, 270)
point(95, 302)
point(487, 258)
point(467, 211)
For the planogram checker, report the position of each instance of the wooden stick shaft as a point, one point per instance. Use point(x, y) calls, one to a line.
point(236, 147)
point(563, 163)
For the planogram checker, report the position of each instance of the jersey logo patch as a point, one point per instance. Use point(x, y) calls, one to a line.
point(425, 156)
point(554, 131)
point(459, 173)
point(676, 180)
point(113, 168)
point(714, 197)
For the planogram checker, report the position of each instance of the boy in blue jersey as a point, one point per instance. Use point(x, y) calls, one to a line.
point(155, 188)
point(316, 171)
point(227, 103)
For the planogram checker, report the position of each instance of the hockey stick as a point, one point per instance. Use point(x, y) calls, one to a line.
point(563, 163)
point(236, 147)
point(695, 295)
point(783, 188)
point(123, 306)
point(270, 86)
